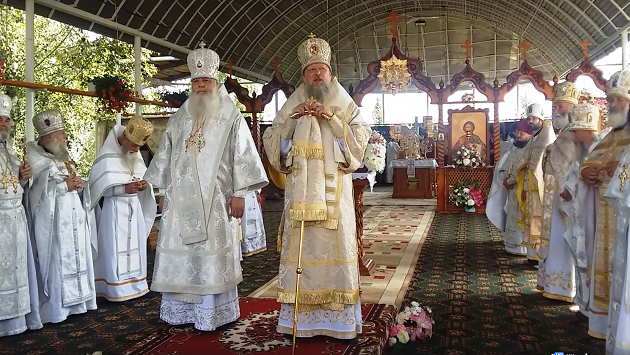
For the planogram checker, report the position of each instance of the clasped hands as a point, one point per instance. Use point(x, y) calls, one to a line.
point(591, 175)
point(135, 187)
point(315, 108)
point(74, 183)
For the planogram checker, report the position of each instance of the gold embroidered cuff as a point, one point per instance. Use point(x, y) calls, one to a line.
point(337, 126)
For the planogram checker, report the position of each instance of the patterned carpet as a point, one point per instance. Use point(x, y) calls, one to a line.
point(484, 299)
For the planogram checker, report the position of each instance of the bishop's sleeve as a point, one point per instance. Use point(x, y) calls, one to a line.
point(160, 168)
point(354, 133)
point(248, 173)
point(273, 137)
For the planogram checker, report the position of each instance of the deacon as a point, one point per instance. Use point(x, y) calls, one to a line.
point(18, 291)
point(318, 138)
point(617, 194)
point(207, 163)
point(529, 179)
point(596, 172)
point(125, 212)
point(556, 276)
point(58, 206)
point(513, 234)
point(254, 236)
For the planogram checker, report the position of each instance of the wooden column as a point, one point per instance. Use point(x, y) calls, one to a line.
point(366, 266)
point(497, 134)
point(440, 150)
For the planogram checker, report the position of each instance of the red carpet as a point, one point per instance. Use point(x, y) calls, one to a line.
point(255, 332)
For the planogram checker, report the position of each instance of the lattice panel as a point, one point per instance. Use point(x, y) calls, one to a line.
point(483, 177)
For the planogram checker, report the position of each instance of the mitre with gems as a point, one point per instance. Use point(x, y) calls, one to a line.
point(203, 63)
point(314, 50)
point(585, 118)
point(138, 130)
point(47, 122)
point(566, 92)
point(5, 106)
point(619, 85)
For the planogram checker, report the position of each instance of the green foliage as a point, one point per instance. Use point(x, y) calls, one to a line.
point(377, 113)
point(65, 56)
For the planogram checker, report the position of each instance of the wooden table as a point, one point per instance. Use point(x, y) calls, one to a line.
point(414, 183)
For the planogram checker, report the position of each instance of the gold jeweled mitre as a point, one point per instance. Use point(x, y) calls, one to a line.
point(585, 118)
point(566, 92)
point(138, 130)
point(619, 84)
point(314, 50)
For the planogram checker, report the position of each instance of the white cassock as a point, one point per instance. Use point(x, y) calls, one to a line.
point(618, 195)
point(19, 301)
point(497, 198)
point(513, 234)
point(61, 225)
point(124, 222)
point(197, 261)
point(391, 151)
point(254, 237)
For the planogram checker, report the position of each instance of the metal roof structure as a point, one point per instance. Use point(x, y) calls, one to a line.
point(253, 33)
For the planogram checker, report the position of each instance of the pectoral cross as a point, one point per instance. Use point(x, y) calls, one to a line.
point(467, 46)
point(9, 178)
point(585, 44)
point(393, 19)
point(623, 176)
point(524, 46)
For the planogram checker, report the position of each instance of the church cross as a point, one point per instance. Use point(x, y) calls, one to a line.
point(623, 176)
point(9, 179)
point(393, 19)
point(585, 44)
point(467, 46)
point(277, 63)
point(230, 64)
point(524, 46)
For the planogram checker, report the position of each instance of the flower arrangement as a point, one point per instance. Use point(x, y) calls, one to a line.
point(468, 97)
point(468, 157)
point(374, 159)
point(113, 92)
point(467, 195)
point(414, 323)
point(175, 99)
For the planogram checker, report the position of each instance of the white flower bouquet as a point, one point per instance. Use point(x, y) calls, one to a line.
point(468, 157)
point(374, 158)
point(414, 323)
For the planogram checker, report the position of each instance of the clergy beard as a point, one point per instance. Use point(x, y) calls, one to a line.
point(4, 135)
point(560, 120)
point(617, 118)
point(130, 159)
point(319, 93)
point(204, 106)
point(59, 149)
point(520, 144)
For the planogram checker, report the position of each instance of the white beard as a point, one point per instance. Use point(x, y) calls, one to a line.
point(560, 121)
point(4, 135)
point(59, 150)
point(130, 159)
point(617, 118)
point(206, 106)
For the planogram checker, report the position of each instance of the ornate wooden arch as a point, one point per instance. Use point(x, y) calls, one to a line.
point(468, 74)
point(414, 65)
point(525, 72)
point(588, 69)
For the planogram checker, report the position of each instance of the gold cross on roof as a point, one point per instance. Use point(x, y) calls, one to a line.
point(585, 44)
point(467, 46)
point(393, 19)
point(524, 46)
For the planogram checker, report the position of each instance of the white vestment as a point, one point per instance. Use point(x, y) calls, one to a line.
point(497, 198)
point(513, 234)
point(329, 301)
point(254, 236)
point(618, 194)
point(61, 225)
point(19, 301)
point(124, 222)
point(391, 152)
point(197, 261)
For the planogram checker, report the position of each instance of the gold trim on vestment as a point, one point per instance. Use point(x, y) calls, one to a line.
point(334, 300)
point(258, 251)
point(315, 332)
point(308, 212)
point(554, 296)
point(307, 153)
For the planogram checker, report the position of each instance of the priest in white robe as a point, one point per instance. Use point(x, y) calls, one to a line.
point(61, 224)
point(618, 194)
point(318, 138)
point(207, 163)
point(391, 155)
point(19, 301)
point(125, 212)
point(513, 234)
point(254, 238)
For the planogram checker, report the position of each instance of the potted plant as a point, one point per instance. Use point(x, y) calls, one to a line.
point(113, 93)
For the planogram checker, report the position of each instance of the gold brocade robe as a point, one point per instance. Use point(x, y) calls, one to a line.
point(530, 179)
point(330, 278)
point(558, 156)
point(610, 149)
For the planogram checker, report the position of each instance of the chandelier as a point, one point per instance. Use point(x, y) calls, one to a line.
point(394, 75)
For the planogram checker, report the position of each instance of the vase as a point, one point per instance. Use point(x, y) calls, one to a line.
point(469, 209)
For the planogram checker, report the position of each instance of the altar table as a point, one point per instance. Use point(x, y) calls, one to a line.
point(416, 182)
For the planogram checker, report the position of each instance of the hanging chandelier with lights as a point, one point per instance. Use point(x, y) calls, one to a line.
point(394, 75)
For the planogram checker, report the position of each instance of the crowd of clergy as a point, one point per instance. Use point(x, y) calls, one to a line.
point(559, 198)
point(66, 240)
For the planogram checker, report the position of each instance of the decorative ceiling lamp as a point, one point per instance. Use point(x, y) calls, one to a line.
point(394, 75)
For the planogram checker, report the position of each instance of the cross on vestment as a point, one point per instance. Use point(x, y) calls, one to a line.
point(467, 46)
point(524, 46)
point(8, 179)
point(585, 44)
point(393, 19)
point(623, 176)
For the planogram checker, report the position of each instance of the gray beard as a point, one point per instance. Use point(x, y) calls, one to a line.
point(201, 107)
point(59, 150)
point(319, 93)
point(130, 159)
point(560, 121)
point(617, 118)
point(4, 135)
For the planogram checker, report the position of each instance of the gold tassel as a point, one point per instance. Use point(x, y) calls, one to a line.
point(308, 153)
point(328, 300)
point(308, 215)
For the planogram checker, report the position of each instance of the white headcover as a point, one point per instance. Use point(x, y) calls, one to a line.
point(619, 84)
point(585, 118)
point(5, 106)
point(203, 63)
point(47, 122)
point(536, 110)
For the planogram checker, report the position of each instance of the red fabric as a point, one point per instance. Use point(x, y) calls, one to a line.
point(255, 332)
point(523, 126)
